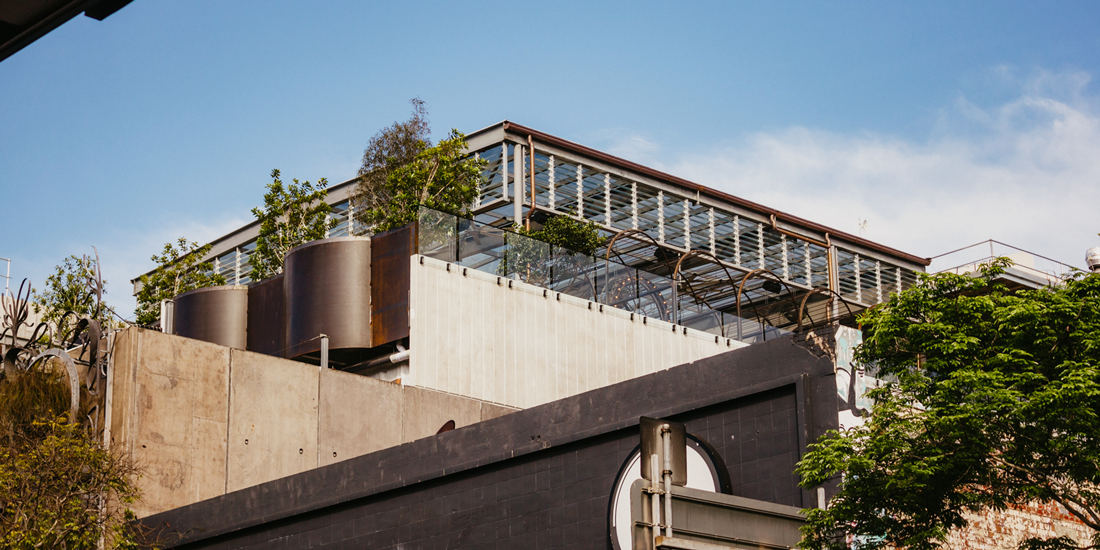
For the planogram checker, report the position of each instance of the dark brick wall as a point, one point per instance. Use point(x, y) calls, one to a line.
point(554, 499)
point(538, 478)
point(758, 439)
point(557, 498)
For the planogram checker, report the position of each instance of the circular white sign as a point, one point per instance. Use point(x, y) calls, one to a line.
point(702, 474)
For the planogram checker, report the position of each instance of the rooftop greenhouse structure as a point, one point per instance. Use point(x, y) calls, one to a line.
point(674, 250)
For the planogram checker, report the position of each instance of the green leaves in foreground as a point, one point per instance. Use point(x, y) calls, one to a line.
point(64, 491)
point(992, 399)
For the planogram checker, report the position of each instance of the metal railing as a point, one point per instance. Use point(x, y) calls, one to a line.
point(968, 258)
point(490, 249)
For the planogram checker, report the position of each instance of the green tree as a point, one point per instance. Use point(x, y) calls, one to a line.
point(64, 490)
point(292, 215)
point(59, 488)
point(178, 270)
point(403, 171)
point(991, 399)
point(75, 286)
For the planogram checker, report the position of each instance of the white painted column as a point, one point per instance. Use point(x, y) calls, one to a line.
point(687, 225)
point(661, 217)
point(580, 192)
point(477, 198)
point(713, 237)
point(607, 199)
point(518, 178)
point(737, 240)
point(809, 265)
point(553, 190)
point(859, 283)
point(634, 205)
point(504, 170)
point(760, 244)
point(878, 281)
point(786, 263)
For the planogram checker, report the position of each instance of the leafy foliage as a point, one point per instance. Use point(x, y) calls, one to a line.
point(26, 397)
point(559, 250)
point(581, 237)
point(58, 487)
point(178, 270)
point(292, 215)
point(991, 399)
point(64, 490)
point(403, 171)
point(72, 287)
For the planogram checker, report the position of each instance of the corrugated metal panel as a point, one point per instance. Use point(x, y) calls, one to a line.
point(217, 314)
point(266, 317)
point(327, 286)
point(389, 270)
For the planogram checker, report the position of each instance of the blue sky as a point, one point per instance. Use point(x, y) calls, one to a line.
point(940, 124)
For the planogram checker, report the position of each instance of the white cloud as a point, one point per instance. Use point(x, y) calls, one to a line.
point(1026, 172)
point(123, 256)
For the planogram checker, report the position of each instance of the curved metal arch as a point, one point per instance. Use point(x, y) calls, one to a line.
point(741, 289)
point(74, 380)
point(716, 260)
point(818, 290)
point(610, 246)
point(661, 308)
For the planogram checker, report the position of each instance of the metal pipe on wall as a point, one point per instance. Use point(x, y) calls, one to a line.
point(531, 210)
point(666, 474)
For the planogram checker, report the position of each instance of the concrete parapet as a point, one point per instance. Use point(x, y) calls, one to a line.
point(201, 419)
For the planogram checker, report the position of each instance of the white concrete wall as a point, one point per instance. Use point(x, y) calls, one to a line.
point(522, 346)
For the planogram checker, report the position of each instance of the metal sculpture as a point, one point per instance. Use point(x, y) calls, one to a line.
point(57, 342)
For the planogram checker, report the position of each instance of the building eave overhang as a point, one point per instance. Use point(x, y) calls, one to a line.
point(702, 190)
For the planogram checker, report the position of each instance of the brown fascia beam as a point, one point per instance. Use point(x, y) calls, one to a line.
point(713, 193)
point(98, 10)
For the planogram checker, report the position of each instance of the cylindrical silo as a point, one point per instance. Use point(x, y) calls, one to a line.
point(216, 314)
point(327, 285)
point(266, 324)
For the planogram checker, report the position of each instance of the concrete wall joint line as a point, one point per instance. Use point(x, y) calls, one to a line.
point(228, 417)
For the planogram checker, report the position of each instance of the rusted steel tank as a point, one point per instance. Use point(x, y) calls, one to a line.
point(327, 286)
point(266, 322)
point(216, 314)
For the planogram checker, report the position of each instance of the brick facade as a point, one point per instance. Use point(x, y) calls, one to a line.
point(1004, 530)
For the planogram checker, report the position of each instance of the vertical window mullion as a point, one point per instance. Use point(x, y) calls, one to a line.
point(504, 171)
point(809, 267)
point(553, 190)
point(713, 239)
point(580, 191)
point(477, 198)
point(878, 281)
point(607, 199)
point(687, 225)
point(661, 217)
point(859, 283)
point(786, 262)
point(634, 205)
point(760, 244)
